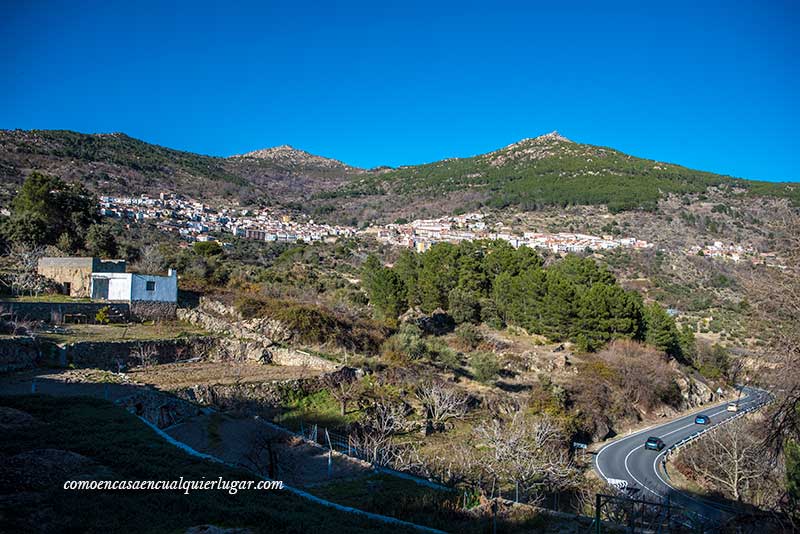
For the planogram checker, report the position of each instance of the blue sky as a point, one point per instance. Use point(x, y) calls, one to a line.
point(711, 86)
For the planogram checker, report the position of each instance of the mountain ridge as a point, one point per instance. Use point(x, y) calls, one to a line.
point(549, 169)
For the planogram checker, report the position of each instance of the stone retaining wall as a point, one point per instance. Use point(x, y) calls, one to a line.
point(113, 354)
point(18, 353)
point(144, 310)
point(256, 396)
point(257, 339)
point(60, 312)
point(158, 408)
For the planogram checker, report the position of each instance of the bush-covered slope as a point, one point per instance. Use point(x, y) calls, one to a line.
point(119, 164)
point(551, 170)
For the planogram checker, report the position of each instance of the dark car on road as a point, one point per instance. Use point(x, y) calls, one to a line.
point(702, 420)
point(654, 444)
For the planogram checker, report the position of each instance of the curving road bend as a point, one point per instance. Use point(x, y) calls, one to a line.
point(627, 459)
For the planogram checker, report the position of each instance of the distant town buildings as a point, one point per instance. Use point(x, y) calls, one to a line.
point(736, 253)
point(195, 220)
point(422, 234)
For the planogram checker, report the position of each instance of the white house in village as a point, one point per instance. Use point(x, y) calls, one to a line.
point(129, 287)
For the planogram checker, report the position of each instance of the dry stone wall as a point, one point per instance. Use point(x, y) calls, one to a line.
point(19, 353)
point(257, 339)
point(113, 354)
point(60, 312)
point(160, 409)
point(255, 397)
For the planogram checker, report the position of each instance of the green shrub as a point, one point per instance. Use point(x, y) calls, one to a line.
point(468, 336)
point(207, 248)
point(443, 354)
point(101, 317)
point(485, 366)
point(463, 306)
point(316, 325)
point(406, 345)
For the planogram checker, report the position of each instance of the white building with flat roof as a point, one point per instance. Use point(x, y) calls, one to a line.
point(131, 287)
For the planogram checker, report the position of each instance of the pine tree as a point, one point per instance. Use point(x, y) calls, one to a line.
point(407, 268)
point(463, 306)
point(606, 312)
point(661, 331)
point(388, 294)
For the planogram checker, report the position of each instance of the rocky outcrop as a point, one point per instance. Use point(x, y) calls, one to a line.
point(292, 158)
point(694, 392)
point(259, 339)
point(437, 323)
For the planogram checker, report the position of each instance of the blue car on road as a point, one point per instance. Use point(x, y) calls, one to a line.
point(702, 420)
point(654, 444)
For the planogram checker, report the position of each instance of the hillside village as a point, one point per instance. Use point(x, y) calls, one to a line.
point(200, 221)
point(195, 221)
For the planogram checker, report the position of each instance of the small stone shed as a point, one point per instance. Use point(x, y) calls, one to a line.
point(75, 274)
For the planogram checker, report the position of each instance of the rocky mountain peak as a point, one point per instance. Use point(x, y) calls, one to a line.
point(553, 136)
point(289, 156)
point(528, 149)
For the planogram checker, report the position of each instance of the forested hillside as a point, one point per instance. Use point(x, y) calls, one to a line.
point(549, 170)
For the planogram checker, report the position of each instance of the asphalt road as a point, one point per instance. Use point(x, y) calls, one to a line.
point(627, 459)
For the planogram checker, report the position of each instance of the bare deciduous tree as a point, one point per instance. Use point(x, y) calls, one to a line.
point(150, 261)
point(373, 438)
point(642, 371)
point(144, 354)
point(262, 454)
point(729, 458)
point(530, 451)
point(24, 259)
point(343, 388)
point(441, 403)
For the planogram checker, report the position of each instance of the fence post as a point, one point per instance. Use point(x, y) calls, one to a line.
point(330, 454)
point(598, 503)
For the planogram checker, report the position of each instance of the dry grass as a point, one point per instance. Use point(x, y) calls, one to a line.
point(178, 375)
point(122, 332)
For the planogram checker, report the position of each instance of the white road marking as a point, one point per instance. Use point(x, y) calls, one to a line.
point(597, 457)
point(633, 477)
point(655, 461)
